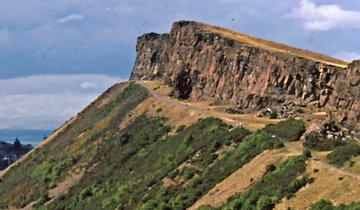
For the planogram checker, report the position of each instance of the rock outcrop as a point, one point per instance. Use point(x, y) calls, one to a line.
point(204, 62)
point(344, 103)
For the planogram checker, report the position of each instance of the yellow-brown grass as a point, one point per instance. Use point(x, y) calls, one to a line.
point(328, 184)
point(177, 115)
point(353, 167)
point(65, 185)
point(242, 179)
point(272, 46)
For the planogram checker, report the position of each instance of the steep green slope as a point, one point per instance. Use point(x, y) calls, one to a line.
point(47, 166)
point(127, 168)
point(134, 163)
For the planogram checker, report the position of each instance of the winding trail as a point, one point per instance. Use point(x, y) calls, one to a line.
point(171, 102)
point(292, 147)
point(316, 158)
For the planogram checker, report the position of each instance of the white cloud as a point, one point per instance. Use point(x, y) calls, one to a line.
point(5, 36)
point(325, 17)
point(88, 85)
point(348, 56)
point(47, 101)
point(71, 18)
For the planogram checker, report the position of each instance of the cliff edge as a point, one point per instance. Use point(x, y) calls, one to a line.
point(204, 62)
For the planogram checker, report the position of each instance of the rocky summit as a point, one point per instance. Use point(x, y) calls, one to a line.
point(201, 61)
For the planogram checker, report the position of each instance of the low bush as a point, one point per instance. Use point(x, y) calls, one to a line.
point(327, 205)
point(238, 134)
point(341, 154)
point(289, 130)
point(273, 114)
point(315, 141)
point(42, 200)
point(188, 173)
point(322, 205)
point(180, 128)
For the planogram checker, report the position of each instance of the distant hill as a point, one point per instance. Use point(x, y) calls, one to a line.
point(26, 136)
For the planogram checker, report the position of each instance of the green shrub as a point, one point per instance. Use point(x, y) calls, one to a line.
point(315, 141)
point(265, 203)
point(273, 114)
point(344, 153)
point(289, 130)
point(238, 134)
point(327, 205)
point(42, 200)
point(180, 128)
point(188, 173)
point(205, 207)
point(270, 168)
point(307, 153)
point(322, 205)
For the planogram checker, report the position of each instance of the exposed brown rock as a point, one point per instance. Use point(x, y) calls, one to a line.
point(344, 104)
point(201, 62)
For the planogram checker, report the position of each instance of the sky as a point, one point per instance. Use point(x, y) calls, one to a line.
point(56, 56)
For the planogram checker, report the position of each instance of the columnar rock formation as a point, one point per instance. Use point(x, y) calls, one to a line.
point(204, 62)
point(344, 103)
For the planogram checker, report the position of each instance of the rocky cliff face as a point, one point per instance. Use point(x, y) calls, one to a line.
point(204, 62)
point(344, 103)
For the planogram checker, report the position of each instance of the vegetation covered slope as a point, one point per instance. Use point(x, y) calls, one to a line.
point(100, 162)
point(49, 165)
point(132, 166)
point(126, 168)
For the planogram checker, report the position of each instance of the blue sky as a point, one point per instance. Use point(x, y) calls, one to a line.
point(56, 56)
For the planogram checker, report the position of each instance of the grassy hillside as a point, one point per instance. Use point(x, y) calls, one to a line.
point(93, 164)
point(47, 166)
point(129, 151)
point(133, 164)
point(278, 183)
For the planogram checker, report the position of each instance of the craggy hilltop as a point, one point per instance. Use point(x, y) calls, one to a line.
point(201, 61)
point(211, 119)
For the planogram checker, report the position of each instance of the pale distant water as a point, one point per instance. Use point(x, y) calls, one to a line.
point(26, 136)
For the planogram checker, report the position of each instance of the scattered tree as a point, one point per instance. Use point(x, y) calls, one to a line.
point(17, 144)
